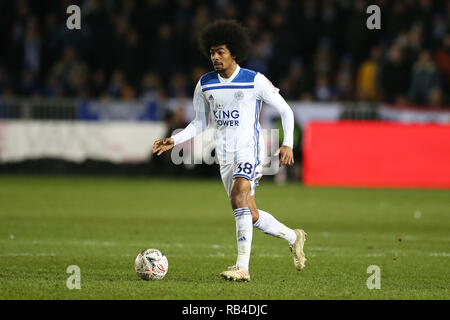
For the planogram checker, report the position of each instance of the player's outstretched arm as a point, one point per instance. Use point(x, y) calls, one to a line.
point(198, 125)
point(162, 145)
point(270, 95)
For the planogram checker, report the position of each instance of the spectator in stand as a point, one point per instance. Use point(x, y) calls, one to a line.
point(367, 81)
point(18, 32)
point(440, 26)
point(98, 84)
point(32, 49)
point(395, 75)
point(175, 119)
point(286, 88)
point(397, 20)
point(324, 91)
point(323, 60)
point(307, 27)
point(282, 47)
point(262, 53)
point(132, 48)
point(71, 72)
point(150, 87)
point(442, 60)
point(298, 80)
point(201, 19)
point(178, 87)
point(344, 79)
point(29, 84)
point(116, 84)
point(128, 93)
point(53, 88)
point(164, 48)
point(412, 45)
point(356, 35)
point(4, 81)
point(435, 98)
point(425, 78)
point(423, 15)
point(258, 61)
point(196, 74)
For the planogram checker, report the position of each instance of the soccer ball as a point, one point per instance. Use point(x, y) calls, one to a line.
point(151, 264)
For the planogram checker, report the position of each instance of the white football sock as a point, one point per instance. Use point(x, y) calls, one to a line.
point(244, 235)
point(269, 225)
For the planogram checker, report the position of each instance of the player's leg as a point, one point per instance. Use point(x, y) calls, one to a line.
point(267, 223)
point(239, 196)
point(253, 209)
point(240, 193)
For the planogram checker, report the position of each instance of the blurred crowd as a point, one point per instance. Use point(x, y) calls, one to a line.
point(313, 50)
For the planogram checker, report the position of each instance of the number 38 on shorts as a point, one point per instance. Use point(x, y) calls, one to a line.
point(245, 170)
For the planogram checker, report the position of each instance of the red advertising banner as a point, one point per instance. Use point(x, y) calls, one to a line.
point(376, 154)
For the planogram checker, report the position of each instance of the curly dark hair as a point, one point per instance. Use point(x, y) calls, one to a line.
point(225, 32)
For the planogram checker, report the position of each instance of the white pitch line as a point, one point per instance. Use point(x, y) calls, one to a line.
point(221, 254)
point(28, 254)
point(335, 251)
point(375, 255)
point(440, 254)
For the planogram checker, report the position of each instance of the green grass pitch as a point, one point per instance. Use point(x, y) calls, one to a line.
point(101, 224)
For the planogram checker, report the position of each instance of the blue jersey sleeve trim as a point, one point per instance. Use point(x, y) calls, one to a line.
point(209, 78)
point(245, 75)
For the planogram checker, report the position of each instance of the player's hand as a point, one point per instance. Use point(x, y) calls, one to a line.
point(162, 145)
point(286, 155)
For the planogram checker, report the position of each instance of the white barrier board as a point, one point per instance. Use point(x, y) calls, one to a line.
point(117, 142)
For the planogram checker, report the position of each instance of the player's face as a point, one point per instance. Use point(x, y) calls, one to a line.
point(221, 58)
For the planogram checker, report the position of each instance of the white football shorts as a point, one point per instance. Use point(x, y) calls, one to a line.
point(244, 169)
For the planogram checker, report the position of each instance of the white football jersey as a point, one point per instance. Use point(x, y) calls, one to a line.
point(233, 105)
